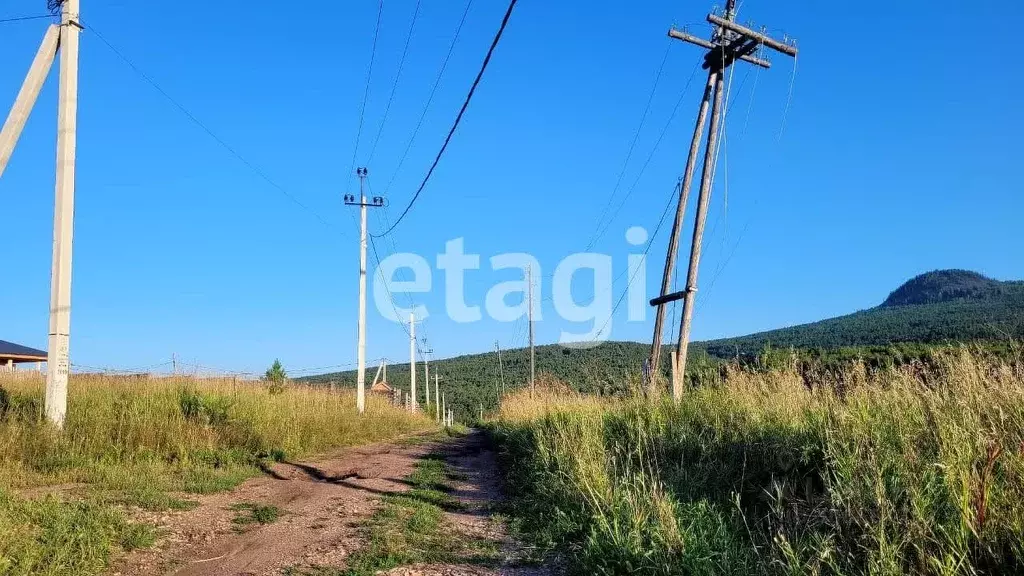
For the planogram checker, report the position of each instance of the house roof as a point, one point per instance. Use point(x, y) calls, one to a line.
point(381, 387)
point(19, 352)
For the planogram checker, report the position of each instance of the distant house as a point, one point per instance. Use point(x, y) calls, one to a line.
point(11, 354)
point(382, 388)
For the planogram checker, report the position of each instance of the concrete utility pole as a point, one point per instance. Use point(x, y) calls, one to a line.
point(426, 370)
point(437, 396)
point(729, 42)
point(57, 353)
point(62, 39)
point(533, 355)
point(361, 335)
point(376, 377)
point(412, 359)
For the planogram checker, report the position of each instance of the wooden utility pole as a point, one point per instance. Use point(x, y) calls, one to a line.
point(729, 42)
point(361, 330)
point(533, 355)
point(501, 367)
point(58, 363)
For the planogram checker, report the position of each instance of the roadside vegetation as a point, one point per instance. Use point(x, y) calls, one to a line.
point(410, 528)
point(909, 469)
point(151, 443)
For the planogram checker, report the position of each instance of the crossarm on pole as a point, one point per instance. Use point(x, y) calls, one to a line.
point(760, 38)
point(685, 37)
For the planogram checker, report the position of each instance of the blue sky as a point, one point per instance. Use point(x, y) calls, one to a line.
point(894, 156)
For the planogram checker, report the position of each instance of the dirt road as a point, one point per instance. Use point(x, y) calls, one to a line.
point(323, 507)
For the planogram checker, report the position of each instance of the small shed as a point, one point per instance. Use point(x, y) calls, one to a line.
point(11, 354)
point(382, 388)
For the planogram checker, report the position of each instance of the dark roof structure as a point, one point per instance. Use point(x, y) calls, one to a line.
point(19, 353)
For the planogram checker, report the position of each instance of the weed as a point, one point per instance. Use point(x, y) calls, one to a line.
point(248, 513)
point(914, 470)
point(409, 528)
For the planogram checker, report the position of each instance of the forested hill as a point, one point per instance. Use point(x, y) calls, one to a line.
point(940, 306)
point(937, 307)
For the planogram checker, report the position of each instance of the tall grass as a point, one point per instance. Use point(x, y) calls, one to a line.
point(149, 442)
point(912, 470)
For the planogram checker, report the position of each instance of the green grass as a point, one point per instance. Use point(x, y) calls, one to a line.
point(249, 513)
point(51, 536)
point(903, 471)
point(410, 528)
point(150, 443)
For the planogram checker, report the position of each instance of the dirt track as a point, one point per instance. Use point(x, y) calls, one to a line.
point(323, 504)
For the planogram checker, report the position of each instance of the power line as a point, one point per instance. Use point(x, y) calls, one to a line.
point(24, 18)
point(430, 98)
point(782, 127)
point(650, 156)
point(376, 257)
point(391, 297)
point(394, 86)
point(455, 125)
point(650, 242)
point(366, 94)
point(181, 108)
point(632, 146)
point(643, 168)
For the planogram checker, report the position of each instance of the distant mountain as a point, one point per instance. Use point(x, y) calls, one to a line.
point(946, 286)
point(939, 306)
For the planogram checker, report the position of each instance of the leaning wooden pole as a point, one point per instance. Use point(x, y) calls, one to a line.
point(689, 298)
point(28, 94)
point(58, 364)
point(730, 42)
point(677, 226)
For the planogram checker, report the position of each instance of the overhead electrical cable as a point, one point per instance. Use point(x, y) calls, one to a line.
point(366, 96)
point(749, 220)
point(650, 156)
point(24, 18)
point(632, 277)
point(430, 98)
point(394, 85)
point(632, 146)
point(455, 125)
point(192, 117)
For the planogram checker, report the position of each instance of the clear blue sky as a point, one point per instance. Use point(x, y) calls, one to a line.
point(898, 156)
